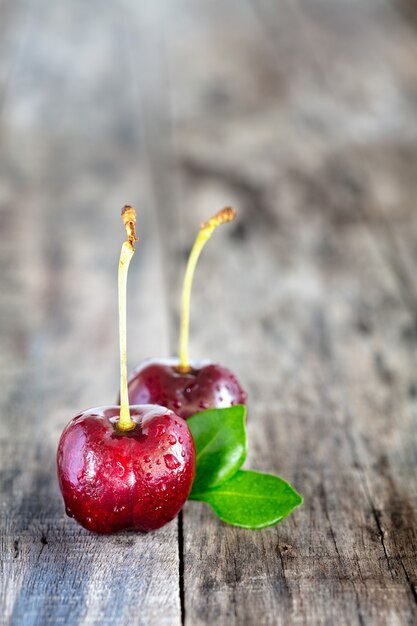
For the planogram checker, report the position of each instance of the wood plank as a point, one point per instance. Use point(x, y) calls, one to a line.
point(303, 116)
point(72, 155)
point(305, 122)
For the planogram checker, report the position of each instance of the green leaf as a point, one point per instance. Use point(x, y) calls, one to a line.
point(251, 499)
point(220, 441)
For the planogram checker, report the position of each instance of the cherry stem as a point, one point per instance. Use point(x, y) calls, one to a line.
point(125, 422)
point(206, 230)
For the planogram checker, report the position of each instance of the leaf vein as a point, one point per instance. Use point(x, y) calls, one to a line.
point(236, 493)
point(198, 456)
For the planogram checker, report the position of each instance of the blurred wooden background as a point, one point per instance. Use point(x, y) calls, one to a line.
point(303, 115)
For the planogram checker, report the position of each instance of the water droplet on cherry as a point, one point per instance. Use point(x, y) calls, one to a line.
point(160, 430)
point(171, 461)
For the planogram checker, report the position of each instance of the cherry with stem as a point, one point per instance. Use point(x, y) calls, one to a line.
point(126, 466)
point(185, 386)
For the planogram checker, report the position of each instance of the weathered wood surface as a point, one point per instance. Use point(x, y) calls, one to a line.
point(66, 162)
point(303, 116)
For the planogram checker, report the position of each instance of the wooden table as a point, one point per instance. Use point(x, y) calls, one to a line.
point(303, 115)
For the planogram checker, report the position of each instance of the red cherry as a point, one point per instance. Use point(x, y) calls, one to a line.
point(185, 386)
point(206, 386)
point(123, 467)
point(138, 479)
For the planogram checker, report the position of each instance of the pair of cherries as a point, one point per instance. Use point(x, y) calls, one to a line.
point(132, 466)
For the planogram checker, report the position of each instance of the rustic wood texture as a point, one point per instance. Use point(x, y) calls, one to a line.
point(303, 115)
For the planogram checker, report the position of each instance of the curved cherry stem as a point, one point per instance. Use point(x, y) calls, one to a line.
point(125, 422)
point(206, 230)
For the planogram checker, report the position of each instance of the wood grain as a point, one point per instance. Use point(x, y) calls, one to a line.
point(308, 298)
point(303, 116)
point(67, 172)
